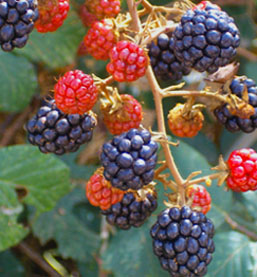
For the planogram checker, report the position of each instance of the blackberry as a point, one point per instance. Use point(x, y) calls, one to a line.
point(234, 123)
point(206, 39)
point(55, 132)
point(129, 159)
point(164, 63)
point(132, 210)
point(182, 240)
point(17, 19)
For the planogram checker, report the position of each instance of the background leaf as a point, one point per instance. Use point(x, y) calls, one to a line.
point(10, 266)
point(18, 82)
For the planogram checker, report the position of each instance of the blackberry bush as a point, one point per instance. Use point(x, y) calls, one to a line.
point(235, 123)
point(129, 159)
point(17, 20)
point(206, 39)
point(55, 132)
point(182, 240)
point(132, 210)
point(163, 61)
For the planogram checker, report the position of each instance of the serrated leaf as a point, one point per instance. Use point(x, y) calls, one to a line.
point(18, 82)
point(10, 266)
point(130, 254)
point(74, 238)
point(235, 255)
point(56, 49)
point(44, 177)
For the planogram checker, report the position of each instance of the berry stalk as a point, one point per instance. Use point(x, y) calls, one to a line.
point(156, 90)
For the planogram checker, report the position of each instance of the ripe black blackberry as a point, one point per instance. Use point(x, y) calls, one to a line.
point(235, 123)
point(55, 132)
point(132, 211)
point(206, 39)
point(164, 63)
point(182, 240)
point(129, 159)
point(17, 19)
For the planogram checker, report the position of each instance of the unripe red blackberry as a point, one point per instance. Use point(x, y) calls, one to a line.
point(182, 240)
point(75, 92)
point(128, 62)
point(200, 198)
point(128, 115)
point(100, 39)
point(52, 15)
point(242, 165)
point(132, 210)
point(234, 123)
point(206, 39)
point(163, 61)
point(55, 132)
point(100, 193)
point(86, 17)
point(17, 20)
point(129, 159)
point(184, 124)
point(103, 8)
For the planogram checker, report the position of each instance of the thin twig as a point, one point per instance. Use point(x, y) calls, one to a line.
point(9, 133)
point(36, 258)
point(240, 228)
point(247, 54)
point(203, 179)
point(156, 90)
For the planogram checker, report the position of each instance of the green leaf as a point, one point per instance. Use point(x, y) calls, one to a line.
point(43, 178)
point(249, 200)
point(235, 256)
point(10, 266)
point(74, 238)
point(130, 254)
point(18, 82)
point(57, 49)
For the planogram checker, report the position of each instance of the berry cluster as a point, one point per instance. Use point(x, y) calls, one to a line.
point(182, 240)
point(200, 197)
point(129, 159)
point(133, 210)
point(163, 61)
point(17, 20)
point(100, 39)
point(52, 15)
point(128, 62)
point(100, 193)
point(206, 38)
point(182, 124)
point(234, 123)
point(242, 166)
point(86, 17)
point(55, 132)
point(127, 116)
point(75, 92)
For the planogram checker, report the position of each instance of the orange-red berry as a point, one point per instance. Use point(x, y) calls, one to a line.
point(100, 39)
point(52, 15)
point(242, 166)
point(75, 92)
point(129, 115)
point(128, 62)
point(200, 197)
point(185, 124)
point(103, 8)
point(86, 17)
point(100, 193)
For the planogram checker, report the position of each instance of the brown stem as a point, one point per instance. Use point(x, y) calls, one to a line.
point(193, 93)
point(9, 133)
point(203, 179)
point(156, 90)
point(240, 228)
point(36, 258)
